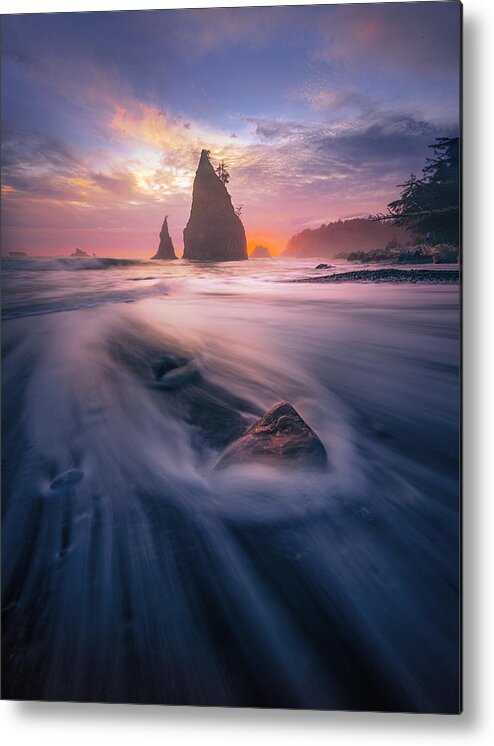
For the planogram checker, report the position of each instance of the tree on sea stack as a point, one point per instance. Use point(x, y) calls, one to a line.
point(214, 231)
point(222, 172)
point(165, 248)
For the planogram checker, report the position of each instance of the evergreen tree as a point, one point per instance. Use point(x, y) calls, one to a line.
point(430, 206)
point(222, 172)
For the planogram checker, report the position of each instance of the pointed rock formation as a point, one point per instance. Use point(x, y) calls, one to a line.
point(214, 231)
point(165, 249)
point(280, 436)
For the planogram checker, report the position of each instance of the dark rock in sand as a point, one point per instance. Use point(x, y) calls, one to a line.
point(165, 248)
point(446, 276)
point(261, 252)
point(214, 231)
point(281, 435)
point(215, 414)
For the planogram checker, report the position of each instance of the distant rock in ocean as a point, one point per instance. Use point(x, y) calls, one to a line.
point(79, 253)
point(281, 435)
point(165, 248)
point(17, 253)
point(214, 231)
point(261, 252)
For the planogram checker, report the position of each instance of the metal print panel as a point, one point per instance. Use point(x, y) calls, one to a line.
point(230, 340)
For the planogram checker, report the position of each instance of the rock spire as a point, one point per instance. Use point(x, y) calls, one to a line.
point(214, 231)
point(165, 249)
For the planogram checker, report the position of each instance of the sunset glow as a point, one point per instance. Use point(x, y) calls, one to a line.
point(95, 157)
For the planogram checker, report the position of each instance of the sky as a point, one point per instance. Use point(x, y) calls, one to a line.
point(319, 112)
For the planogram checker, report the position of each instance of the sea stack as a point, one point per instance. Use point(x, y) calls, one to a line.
point(165, 249)
point(261, 252)
point(79, 253)
point(214, 231)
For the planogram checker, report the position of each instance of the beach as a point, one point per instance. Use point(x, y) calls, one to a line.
point(134, 571)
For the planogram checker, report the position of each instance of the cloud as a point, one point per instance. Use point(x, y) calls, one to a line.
point(216, 30)
point(36, 163)
point(37, 150)
point(39, 166)
point(384, 141)
point(271, 130)
point(349, 154)
point(320, 98)
point(395, 36)
point(127, 150)
point(280, 170)
point(121, 184)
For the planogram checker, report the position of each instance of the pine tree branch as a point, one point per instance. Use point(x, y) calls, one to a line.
point(422, 213)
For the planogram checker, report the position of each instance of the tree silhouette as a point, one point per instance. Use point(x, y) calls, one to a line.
point(430, 206)
point(222, 172)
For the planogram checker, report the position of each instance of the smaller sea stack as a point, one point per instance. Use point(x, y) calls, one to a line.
point(261, 252)
point(165, 249)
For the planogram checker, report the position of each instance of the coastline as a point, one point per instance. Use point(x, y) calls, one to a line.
point(448, 276)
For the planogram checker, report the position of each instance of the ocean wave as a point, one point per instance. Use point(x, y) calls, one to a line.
point(168, 581)
point(67, 263)
point(83, 301)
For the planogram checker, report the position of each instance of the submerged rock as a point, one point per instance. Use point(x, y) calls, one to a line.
point(165, 248)
point(324, 266)
point(214, 416)
point(179, 377)
point(214, 231)
point(280, 435)
point(261, 252)
point(67, 479)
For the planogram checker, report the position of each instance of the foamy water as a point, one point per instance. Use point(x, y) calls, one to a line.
point(149, 577)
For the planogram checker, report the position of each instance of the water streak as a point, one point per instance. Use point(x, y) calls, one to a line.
point(142, 575)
